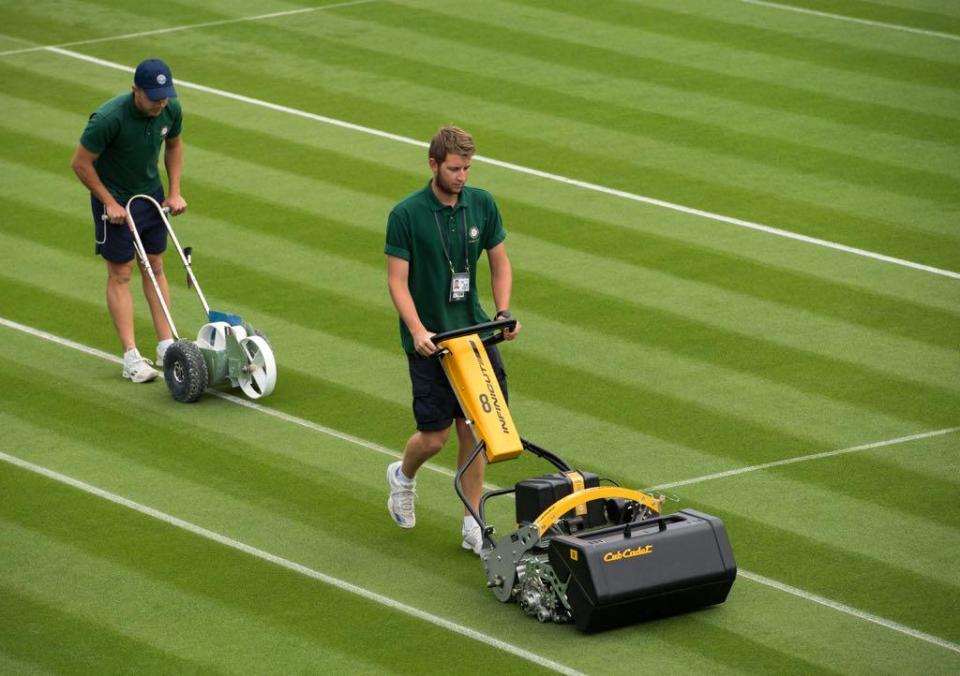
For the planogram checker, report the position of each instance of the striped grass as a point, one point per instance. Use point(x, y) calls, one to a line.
point(658, 345)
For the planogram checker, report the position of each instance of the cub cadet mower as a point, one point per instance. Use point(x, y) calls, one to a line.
point(597, 556)
point(227, 349)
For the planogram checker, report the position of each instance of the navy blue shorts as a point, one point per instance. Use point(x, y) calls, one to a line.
point(114, 241)
point(434, 403)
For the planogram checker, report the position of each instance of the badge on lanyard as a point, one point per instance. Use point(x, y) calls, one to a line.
point(459, 286)
point(459, 281)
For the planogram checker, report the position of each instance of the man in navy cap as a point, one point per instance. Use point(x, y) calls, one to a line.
point(117, 158)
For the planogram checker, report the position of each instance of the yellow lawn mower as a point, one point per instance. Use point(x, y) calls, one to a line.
point(597, 556)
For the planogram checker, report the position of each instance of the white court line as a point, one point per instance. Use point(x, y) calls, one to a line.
point(843, 608)
point(754, 577)
point(805, 458)
point(290, 565)
point(536, 172)
point(175, 29)
point(851, 19)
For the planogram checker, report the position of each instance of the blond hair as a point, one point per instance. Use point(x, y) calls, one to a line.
point(450, 140)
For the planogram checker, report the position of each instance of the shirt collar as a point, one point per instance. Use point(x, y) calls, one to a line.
point(437, 205)
point(133, 107)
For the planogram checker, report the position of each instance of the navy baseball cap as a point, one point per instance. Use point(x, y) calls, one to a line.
point(154, 78)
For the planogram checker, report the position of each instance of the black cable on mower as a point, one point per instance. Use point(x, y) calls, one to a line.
point(550, 457)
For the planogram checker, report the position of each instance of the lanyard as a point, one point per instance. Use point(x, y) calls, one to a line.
point(443, 240)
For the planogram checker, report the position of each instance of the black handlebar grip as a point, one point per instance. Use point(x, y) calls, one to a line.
point(188, 254)
point(477, 328)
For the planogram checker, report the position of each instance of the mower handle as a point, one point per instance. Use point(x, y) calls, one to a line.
point(477, 328)
point(166, 210)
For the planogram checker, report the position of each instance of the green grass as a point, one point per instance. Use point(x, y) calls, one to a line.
point(658, 345)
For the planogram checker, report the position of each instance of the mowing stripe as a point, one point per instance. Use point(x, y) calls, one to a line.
point(804, 458)
point(753, 577)
point(843, 608)
point(373, 446)
point(536, 172)
point(291, 565)
point(174, 29)
point(851, 19)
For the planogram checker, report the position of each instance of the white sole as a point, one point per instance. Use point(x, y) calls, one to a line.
point(141, 380)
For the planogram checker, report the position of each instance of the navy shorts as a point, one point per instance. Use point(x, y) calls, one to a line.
point(434, 403)
point(114, 241)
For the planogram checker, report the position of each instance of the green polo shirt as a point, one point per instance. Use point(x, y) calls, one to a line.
point(128, 144)
point(414, 236)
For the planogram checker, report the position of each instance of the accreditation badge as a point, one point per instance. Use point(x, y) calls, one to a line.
point(459, 286)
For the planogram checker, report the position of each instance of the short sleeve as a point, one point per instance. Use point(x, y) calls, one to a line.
point(99, 132)
point(398, 236)
point(493, 228)
point(177, 125)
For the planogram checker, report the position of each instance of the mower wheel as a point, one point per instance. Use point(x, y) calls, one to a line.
point(185, 371)
point(259, 375)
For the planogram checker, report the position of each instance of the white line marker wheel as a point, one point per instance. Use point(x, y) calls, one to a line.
point(185, 371)
point(258, 376)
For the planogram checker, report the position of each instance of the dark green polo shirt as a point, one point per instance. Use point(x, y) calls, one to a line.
point(128, 144)
point(413, 235)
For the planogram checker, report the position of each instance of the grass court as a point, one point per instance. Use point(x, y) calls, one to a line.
point(733, 229)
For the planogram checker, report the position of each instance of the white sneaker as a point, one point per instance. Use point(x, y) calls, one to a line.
point(472, 538)
point(402, 495)
point(138, 369)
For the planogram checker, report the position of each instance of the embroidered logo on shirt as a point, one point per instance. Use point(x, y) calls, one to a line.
point(163, 132)
point(474, 233)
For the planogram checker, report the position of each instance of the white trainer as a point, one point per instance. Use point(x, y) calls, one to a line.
point(472, 538)
point(138, 369)
point(402, 496)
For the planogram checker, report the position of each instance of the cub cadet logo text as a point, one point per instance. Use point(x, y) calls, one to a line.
point(492, 402)
point(610, 557)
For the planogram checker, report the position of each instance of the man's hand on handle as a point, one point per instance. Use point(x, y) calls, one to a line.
point(423, 344)
point(115, 212)
point(176, 204)
point(508, 334)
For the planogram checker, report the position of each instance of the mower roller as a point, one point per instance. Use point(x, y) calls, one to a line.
point(597, 556)
point(227, 348)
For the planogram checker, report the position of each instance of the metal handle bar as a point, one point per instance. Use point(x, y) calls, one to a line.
point(104, 217)
point(173, 236)
point(487, 531)
point(437, 338)
point(144, 260)
point(490, 494)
